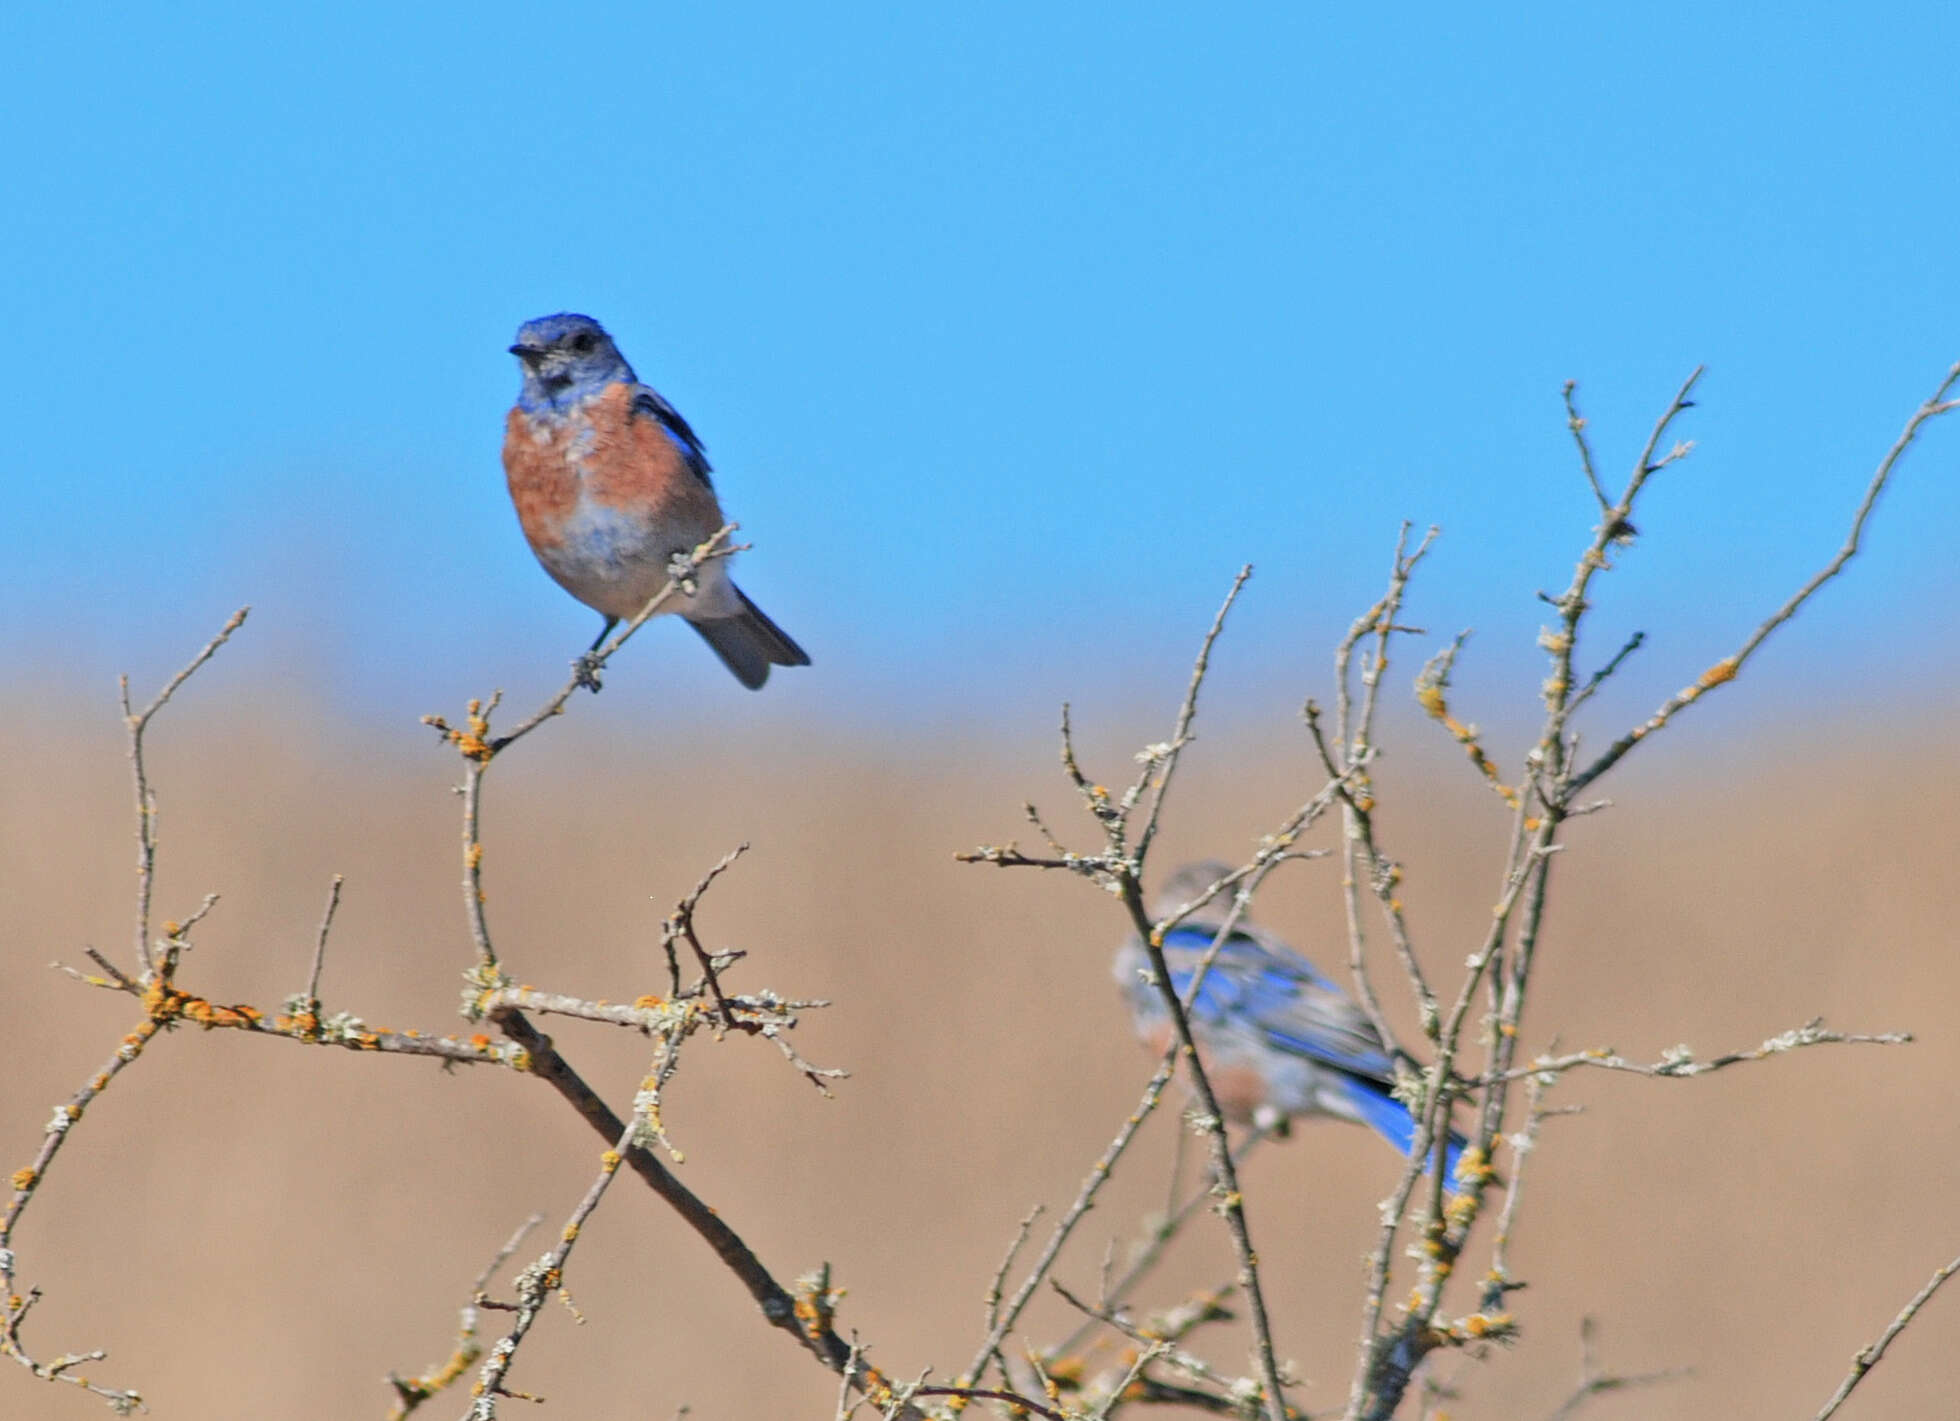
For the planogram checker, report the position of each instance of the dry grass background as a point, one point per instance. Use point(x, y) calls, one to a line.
point(259, 1230)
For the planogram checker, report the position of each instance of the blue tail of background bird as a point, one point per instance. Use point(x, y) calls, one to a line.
point(1390, 1118)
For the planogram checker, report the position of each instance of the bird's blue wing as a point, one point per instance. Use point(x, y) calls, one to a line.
point(1278, 993)
point(648, 401)
point(1259, 983)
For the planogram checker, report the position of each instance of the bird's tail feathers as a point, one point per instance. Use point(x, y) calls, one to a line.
point(748, 643)
point(1390, 1118)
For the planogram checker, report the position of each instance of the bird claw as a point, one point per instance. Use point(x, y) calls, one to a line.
point(585, 670)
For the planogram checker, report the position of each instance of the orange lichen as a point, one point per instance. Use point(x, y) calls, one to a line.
point(1068, 1370)
point(1715, 675)
point(24, 1179)
point(209, 1014)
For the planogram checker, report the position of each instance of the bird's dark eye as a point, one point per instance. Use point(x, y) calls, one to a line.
point(583, 342)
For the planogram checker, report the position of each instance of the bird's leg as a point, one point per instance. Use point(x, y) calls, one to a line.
point(587, 665)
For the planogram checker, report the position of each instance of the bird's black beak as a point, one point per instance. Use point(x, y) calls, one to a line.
point(529, 354)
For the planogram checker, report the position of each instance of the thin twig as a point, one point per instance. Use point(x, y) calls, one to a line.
point(320, 945)
point(146, 806)
point(1159, 1238)
point(1498, 1281)
point(1680, 1063)
point(412, 1392)
point(679, 584)
point(1726, 670)
point(779, 1307)
point(998, 1286)
point(535, 1285)
point(1204, 1309)
point(1601, 676)
point(1594, 1382)
point(14, 1307)
point(1577, 424)
point(976, 1393)
point(1231, 1197)
point(1869, 1357)
point(680, 925)
point(1085, 1199)
point(1173, 751)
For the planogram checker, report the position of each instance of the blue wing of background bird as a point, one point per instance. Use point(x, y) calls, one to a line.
point(1271, 989)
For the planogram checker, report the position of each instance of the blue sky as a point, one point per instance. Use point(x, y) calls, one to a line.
point(1012, 330)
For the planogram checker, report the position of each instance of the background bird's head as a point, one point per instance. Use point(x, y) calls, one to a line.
point(566, 357)
point(1190, 883)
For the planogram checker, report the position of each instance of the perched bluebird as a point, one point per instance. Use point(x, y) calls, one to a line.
point(610, 483)
point(1277, 1038)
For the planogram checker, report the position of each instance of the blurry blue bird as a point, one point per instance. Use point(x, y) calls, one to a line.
point(1277, 1038)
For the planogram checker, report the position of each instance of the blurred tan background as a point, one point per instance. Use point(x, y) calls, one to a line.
point(253, 1229)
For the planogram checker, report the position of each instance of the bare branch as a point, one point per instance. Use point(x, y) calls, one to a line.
point(1181, 729)
point(1680, 1063)
point(1869, 1357)
point(1432, 686)
point(1601, 676)
point(680, 578)
point(680, 926)
point(137, 723)
point(1162, 1337)
point(25, 1182)
point(535, 1285)
point(975, 1393)
point(1498, 1281)
point(1003, 1323)
point(1726, 670)
point(1594, 1382)
point(1575, 422)
point(411, 1392)
point(778, 1307)
point(998, 1286)
point(1158, 1237)
point(1231, 1198)
point(320, 947)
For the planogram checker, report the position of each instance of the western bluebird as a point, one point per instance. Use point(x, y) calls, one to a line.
point(610, 483)
point(1277, 1038)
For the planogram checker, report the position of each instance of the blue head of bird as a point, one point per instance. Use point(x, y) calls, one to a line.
point(565, 358)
